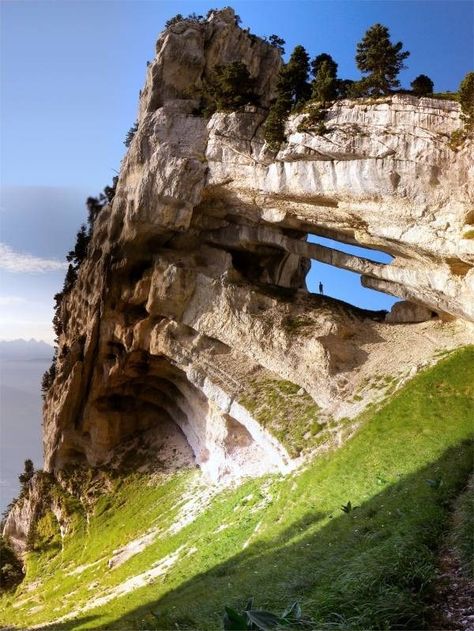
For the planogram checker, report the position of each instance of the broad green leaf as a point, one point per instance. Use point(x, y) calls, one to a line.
point(249, 604)
point(233, 621)
point(263, 620)
point(293, 611)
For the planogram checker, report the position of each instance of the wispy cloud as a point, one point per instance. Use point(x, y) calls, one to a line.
point(6, 301)
point(13, 261)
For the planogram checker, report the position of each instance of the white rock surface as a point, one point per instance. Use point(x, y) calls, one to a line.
point(194, 285)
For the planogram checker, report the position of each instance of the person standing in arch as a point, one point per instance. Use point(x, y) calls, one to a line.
point(321, 288)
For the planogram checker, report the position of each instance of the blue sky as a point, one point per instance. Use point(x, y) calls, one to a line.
point(71, 72)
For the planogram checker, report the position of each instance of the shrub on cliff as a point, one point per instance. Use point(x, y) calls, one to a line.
point(196, 19)
point(130, 134)
point(380, 60)
point(231, 86)
point(277, 42)
point(174, 20)
point(49, 376)
point(422, 85)
point(79, 252)
point(11, 572)
point(466, 99)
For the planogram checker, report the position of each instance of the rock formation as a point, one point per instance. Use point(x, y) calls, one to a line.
point(192, 299)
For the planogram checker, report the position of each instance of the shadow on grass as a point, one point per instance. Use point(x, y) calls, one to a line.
point(369, 569)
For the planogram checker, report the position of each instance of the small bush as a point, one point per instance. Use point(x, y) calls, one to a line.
point(11, 573)
point(457, 139)
point(49, 377)
point(274, 128)
point(466, 99)
point(79, 253)
point(314, 121)
point(130, 134)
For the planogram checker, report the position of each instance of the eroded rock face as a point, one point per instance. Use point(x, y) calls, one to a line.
point(194, 286)
point(23, 515)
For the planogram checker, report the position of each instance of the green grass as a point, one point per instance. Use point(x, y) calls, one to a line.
point(287, 411)
point(469, 234)
point(463, 529)
point(286, 538)
point(445, 96)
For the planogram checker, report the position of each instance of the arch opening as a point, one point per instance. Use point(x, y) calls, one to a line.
point(344, 284)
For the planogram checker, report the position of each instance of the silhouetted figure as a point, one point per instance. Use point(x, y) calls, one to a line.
point(321, 289)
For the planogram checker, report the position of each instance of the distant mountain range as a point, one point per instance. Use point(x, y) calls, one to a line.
point(22, 364)
point(25, 350)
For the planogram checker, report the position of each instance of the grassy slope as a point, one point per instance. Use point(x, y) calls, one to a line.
point(462, 535)
point(286, 538)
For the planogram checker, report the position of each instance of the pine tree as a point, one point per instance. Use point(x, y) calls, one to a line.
point(78, 254)
point(422, 85)
point(344, 88)
point(292, 89)
point(380, 59)
point(277, 42)
point(94, 206)
point(293, 80)
point(232, 86)
point(274, 128)
point(27, 474)
point(324, 87)
point(319, 60)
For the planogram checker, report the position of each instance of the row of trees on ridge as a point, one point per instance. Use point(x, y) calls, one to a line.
point(75, 258)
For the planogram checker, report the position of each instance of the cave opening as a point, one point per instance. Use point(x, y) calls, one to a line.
point(151, 408)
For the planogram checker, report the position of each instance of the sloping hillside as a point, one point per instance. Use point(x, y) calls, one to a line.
point(156, 551)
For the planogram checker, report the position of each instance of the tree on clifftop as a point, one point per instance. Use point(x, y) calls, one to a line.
point(293, 79)
point(380, 59)
point(324, 87)
point(27, 474)
point(292, 89)
point(318, 62)
point(422, 85)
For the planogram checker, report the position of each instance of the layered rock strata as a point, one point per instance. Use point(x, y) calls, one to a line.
point(194, 291)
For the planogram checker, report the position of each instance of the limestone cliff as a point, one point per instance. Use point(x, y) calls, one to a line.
point(190, 316)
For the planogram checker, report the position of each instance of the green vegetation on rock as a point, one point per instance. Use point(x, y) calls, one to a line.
point(277, 538)
point(285, 410)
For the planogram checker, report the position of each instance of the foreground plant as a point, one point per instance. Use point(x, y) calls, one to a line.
point(260, 619)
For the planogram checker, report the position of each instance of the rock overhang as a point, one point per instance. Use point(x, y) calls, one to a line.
point(201, 258)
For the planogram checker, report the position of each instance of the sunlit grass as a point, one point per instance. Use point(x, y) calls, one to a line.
point(281, 539)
